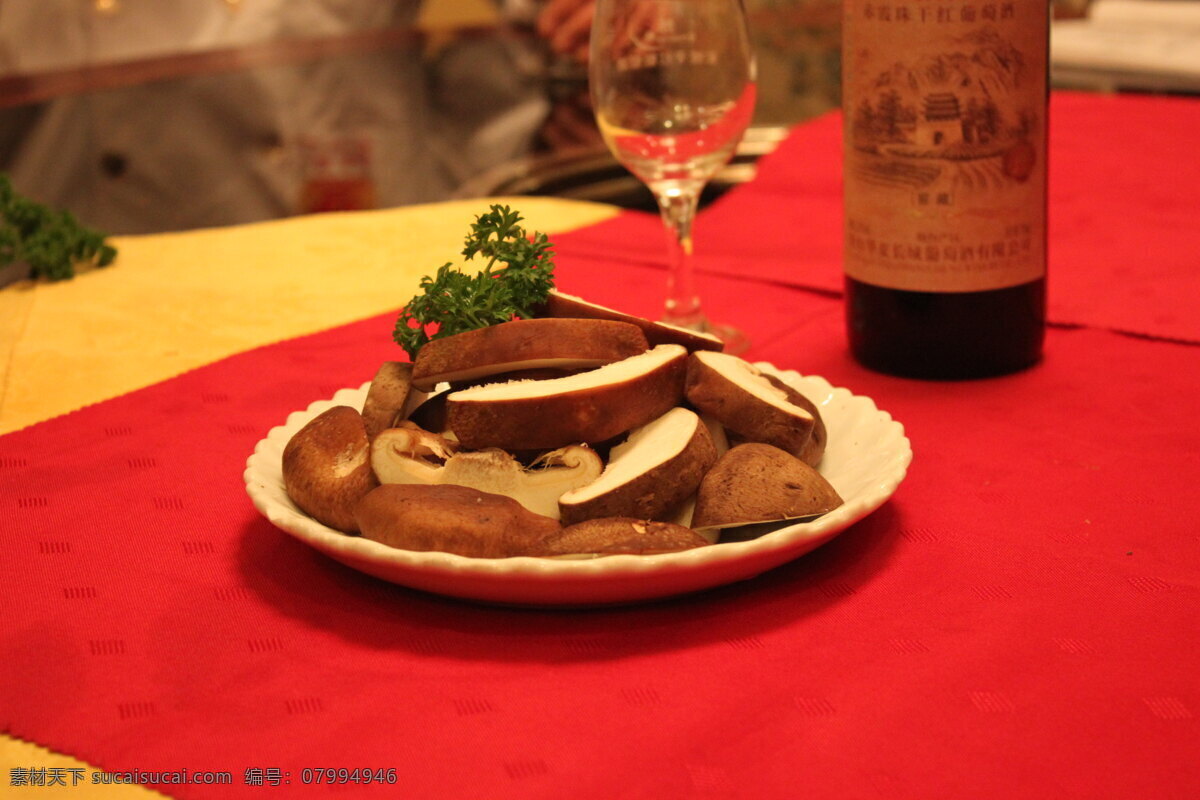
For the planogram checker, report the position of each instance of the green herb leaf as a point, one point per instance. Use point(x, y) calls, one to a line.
point(53, 243)
point(517, 277)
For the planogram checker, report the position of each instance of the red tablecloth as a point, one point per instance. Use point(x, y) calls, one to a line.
point(1019, 621)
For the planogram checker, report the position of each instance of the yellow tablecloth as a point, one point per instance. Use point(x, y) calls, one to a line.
point(177, 301)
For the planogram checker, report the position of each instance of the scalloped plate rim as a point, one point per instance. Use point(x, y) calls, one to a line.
point(528, 580)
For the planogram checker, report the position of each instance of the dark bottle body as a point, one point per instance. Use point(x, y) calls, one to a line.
point(945, 111)
point(946, 335)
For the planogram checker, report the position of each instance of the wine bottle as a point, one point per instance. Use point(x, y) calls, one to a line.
point(945, 116)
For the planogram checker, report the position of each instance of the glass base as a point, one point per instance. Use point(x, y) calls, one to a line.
point(735, 341)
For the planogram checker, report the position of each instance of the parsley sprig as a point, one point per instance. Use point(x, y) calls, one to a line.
point(517, 277)
point(53, 243)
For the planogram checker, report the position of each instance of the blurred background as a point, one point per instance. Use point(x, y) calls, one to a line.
point(143, 116)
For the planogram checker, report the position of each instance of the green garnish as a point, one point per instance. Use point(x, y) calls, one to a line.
point(52, 243)
point(518, 277)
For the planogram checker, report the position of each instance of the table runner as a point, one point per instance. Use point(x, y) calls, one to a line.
point(176, 301)
point(1124, 202)
point(1015, 622)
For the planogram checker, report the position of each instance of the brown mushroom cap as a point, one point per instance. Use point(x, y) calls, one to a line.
point(327, 467)
point(526, 344)
point(389, 397)
point(451, 519)
point(755, 483)
point(620, 535)
point(560, 304)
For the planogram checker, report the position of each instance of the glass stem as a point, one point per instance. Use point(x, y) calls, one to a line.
point(678, 207)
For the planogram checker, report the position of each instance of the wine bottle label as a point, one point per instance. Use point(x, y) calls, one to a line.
point(945, 142)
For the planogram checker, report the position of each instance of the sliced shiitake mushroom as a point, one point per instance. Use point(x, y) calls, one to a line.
point(327, 468)
point(650, 474)
point(408, 453)
point(451, 519)
point(814, 450)
point(390, 397)
point(560, 304)
point(588, 407)
point(737, 394)
point(412, 456)
point(537, 487)
point(755, 483)
point(620, 535)
point(525, 344)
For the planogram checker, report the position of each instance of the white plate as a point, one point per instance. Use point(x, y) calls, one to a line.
point(866, 458)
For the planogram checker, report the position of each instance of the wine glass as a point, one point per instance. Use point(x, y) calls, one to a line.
point(673, 89)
